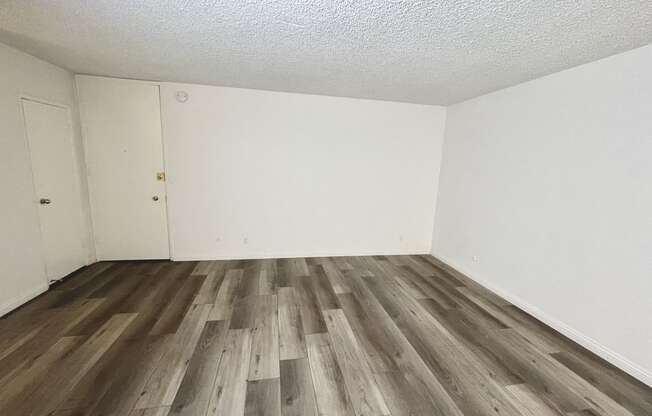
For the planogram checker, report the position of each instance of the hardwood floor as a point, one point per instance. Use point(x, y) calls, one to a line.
point(397, 335)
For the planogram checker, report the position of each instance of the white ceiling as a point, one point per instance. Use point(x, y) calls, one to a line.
point(434, 52)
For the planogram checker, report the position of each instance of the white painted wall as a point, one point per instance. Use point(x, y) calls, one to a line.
point(22, 273)
point(266, 174)
point(549, 184)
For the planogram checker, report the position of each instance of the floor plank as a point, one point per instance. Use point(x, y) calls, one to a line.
point(335, 276)
point(323, 289)
point(297, 391)
point(312, 319)
point(65, 375)
point(210, 288)
point(223, 306)
point(629, 393)
point(365, 394)
point(154, 411)
point(230, 389)
point(193, 395)
point(34, 375)
point(263, 398)
point(401, 355)
point(268, 283)
point(466, 380)
point(163, 385)
point(528, 403)
point(332, 397)
point(130, 375)
point(291, 339)
point(264, 361)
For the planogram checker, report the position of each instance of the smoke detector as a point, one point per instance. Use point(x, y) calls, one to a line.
point(181, 96)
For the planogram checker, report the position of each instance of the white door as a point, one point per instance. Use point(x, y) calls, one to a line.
point(121, 121)
point(49, 134)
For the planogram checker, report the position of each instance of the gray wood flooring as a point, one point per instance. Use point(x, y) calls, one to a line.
point(395, 335)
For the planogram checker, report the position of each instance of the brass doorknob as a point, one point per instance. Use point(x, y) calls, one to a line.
point(155, 198)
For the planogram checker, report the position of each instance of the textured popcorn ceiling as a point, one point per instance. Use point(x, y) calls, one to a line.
point(436, 52)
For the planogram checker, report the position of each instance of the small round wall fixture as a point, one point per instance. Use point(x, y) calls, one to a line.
point(181, 96)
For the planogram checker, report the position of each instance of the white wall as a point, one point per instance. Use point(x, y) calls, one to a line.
point(549, 184)
point(22, 272)
point(267, 174)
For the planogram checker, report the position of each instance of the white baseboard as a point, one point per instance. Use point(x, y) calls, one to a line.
point(589, 343)
point(284, 255)
point(22, 298)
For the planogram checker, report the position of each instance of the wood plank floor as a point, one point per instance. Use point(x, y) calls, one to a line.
point(395, 335)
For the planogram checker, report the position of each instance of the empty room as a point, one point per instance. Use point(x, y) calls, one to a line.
point(325, 208)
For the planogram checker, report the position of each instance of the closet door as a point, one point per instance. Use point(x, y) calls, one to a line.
point(49, 134)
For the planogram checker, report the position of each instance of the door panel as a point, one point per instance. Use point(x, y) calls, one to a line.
point(124, 151)
point(49, 134)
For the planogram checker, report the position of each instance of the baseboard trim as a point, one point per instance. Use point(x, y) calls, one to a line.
point(22, 299)
point(587, 342)
point(284, 255)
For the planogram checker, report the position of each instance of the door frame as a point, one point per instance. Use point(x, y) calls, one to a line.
point(84, 135)
point(76, 170)
point(165, 168)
